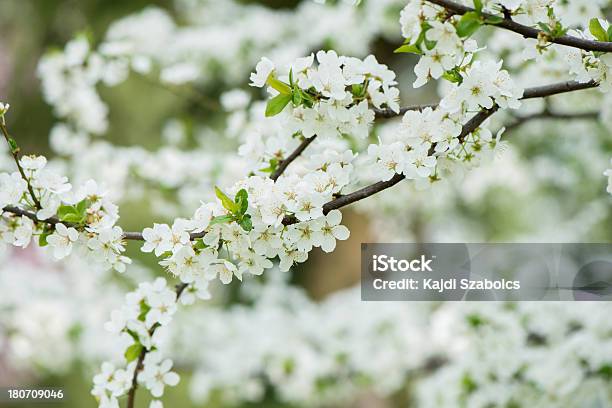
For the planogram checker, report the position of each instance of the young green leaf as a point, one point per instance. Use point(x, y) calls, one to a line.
point(133, 352)
point(144, 309)
point(81, 207)
point(64, 210)
point(545, 28)
point(272, 167)
point(277, 104)
point(42, 239)
point(199, 244)
point(478, 6)
point(242, 200)
point(73, 218)
point(453, 76)
point(408, 48)
point(221, 219)
point(280, 86)
point(597, 30)
point(246, 223)
point(13, 145)
point(227, 202)
point(297, 97)
point(468, 24)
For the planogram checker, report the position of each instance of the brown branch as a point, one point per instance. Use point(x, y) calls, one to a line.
point(139, 363)
point(388, 113)
point(529, 32)
point(529, 93)
point(286, 162)
point(470, 126)
point(379, 186)
point(15, 153)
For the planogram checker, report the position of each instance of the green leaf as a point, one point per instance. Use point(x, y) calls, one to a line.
point(272, 168)
point(545, 28)
point(424, 27)
point(13, 145)
point(68, 213)
point(133, 352)
point(408, 49)
point(297, 97)
point(144, 309)
point(453, 76)
point(75, 214)
point(494, 20)
point(246, 223)
point(42, 239)
point(73, 218)
point(597, 30)
point(221, 219)
point(82, 207)
point(242, 200)
point(277, 104)
point(199, 244)
point(468, 24)
point(227, 202)
point(610, 32)
point(132, 334)
point(280, 86)
point(478, 5)
point(559, 30)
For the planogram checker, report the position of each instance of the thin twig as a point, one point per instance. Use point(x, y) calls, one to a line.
point(139, 363)
point(388, 113)
point(286, 162)
point(15, 154)
point(526, 31)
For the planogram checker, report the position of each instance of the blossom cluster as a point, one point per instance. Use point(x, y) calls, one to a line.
point(588, 66)
point(315, 352)
point(84, 218)
point(443, 50)
point(146, 310)
point(328, 96)
point(429, 140)
point(332, 98)
point(507, 355)
point(231, 237)
point(71, 77)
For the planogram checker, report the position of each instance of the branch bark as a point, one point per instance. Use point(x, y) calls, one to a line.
point(529, 32)
point(286, 162)
point(388, 113)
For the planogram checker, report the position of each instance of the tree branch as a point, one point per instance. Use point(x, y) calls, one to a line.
point(529, 32)
point(286, 162)
point(139, 363)
point(388, 113)
point(15, 153)
point(469, 127)
point(379, 186)
point(341, 201)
